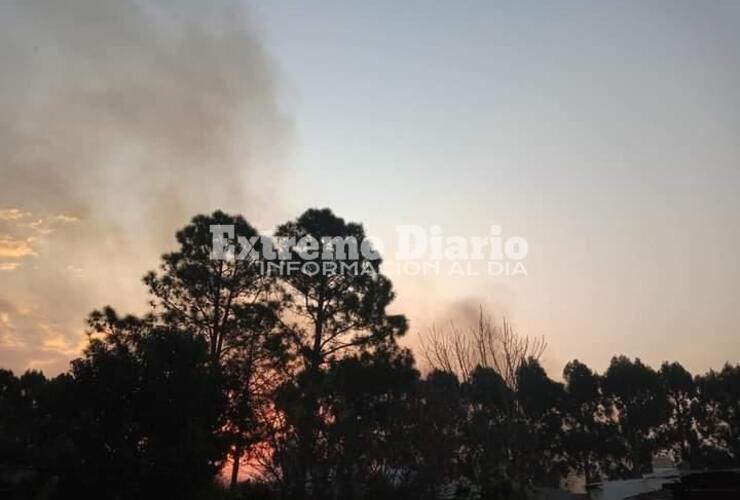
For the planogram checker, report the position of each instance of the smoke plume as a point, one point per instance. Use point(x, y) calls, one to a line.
point(119, 120)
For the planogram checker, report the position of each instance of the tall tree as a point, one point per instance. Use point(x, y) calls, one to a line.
point(438, 436)
point(369, 397)
point(589, 424)
point(489, 432)
point(223, 298)
point(719, 424)
point(679, 433)
point(539, 451)
point(325, 316)
point(637, 395)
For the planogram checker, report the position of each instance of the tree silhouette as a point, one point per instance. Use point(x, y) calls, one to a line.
point(490, 431)
point(591, 433)
point(226, 302)
point(539, 454)
point(368, 396)
point(148, 410)
point(301, 370)
point(720, 422)
point(637, 395)
point(680, 433)
point(486, 344)
point(325, 316)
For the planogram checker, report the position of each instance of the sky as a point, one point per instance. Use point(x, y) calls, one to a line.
point(606, 134)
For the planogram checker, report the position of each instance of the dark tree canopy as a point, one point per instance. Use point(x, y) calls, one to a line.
point(328, 314)
point(299, 375)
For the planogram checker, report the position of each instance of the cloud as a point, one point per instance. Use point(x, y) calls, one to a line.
point(11, 248)
point(14, 330)
point(8, 338)
point(48, 224)
point(10, 214)
point(24, 233)
point(29, 340)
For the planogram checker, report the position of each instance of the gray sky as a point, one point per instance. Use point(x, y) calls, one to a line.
point(604, 133)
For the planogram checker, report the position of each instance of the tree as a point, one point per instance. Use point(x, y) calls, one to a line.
point(539, 455)
point(148, 412)
point(21, 399)
point(437, 437)
point(489, 432)
point(369, 398)
point(225, 300)
point(637, 395)
point(590, 429)
point(680, 431)
point(719, 421)
point(325, 316)
point(486, 345)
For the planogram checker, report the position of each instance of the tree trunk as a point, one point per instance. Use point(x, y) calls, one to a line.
point(236, 458)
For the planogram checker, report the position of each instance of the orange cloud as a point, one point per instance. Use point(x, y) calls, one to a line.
point(12, 214)
point(11, 248)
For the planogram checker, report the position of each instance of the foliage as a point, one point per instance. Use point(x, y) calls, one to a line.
point(300, 376)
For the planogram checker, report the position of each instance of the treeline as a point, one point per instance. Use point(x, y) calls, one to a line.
point(299, 380)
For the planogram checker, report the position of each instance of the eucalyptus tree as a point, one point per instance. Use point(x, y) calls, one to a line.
point(719, 423)
point(539, 453)
point(592, 442)
point(680, 431)
point(641, 407)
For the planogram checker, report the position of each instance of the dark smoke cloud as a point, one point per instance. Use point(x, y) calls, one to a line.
point(123, 118)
